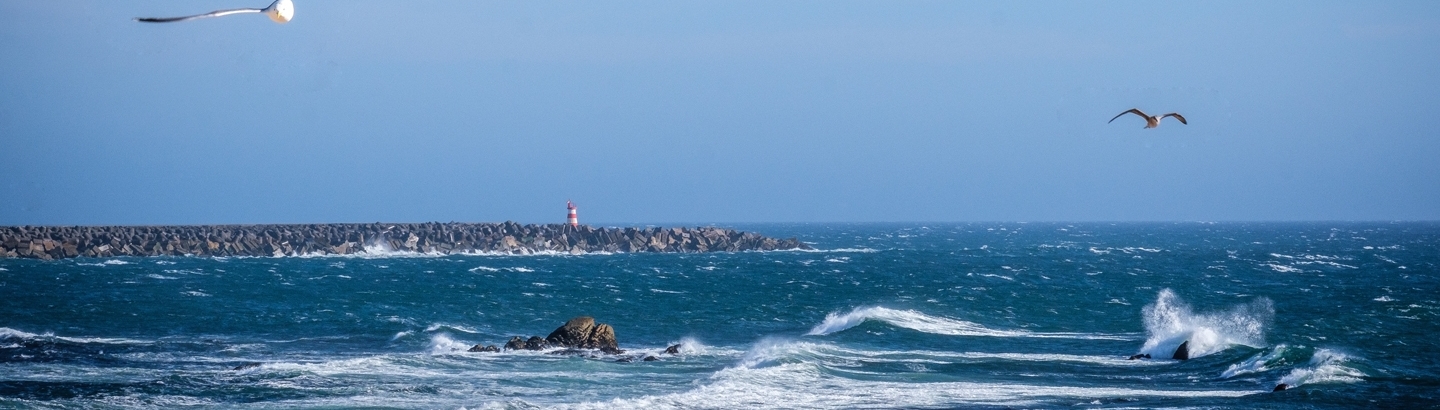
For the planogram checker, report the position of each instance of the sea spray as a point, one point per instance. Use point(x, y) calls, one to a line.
point(443, 343)
point(1170, 322)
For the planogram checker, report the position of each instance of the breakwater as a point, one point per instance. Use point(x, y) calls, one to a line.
point(56, 242)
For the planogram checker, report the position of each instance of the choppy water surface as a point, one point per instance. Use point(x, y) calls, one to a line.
point(914, 316)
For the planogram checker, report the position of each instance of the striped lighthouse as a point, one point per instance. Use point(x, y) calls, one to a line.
point(572, 219)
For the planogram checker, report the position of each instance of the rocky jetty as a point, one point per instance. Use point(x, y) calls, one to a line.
point(57, 242)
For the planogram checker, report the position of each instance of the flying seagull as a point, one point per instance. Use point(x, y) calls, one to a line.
point(1150, 120)
point(281, 11)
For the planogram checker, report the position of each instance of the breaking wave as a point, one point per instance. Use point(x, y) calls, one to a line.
point(921, 322)
point(1170, 321)
point(1326, 366)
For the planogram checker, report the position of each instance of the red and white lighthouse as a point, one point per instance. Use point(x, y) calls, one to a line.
point(572, 219)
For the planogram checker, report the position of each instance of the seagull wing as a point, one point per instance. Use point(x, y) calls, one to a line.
point(1177, 116)
point(216, 13)
point(1132, 110)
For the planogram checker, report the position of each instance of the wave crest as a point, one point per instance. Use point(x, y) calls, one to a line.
point(917, 321)
point(1326, 366)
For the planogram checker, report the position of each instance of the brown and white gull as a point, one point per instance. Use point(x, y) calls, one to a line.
point(1151, 121)
point(281, 11)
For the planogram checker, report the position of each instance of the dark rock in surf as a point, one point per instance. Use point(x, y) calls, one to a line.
point(1182, 352)
point(651, 358)
point(673, 349)
point(583, 333)
point(515, 343)
point(1140, 356)
point(250, 365)
point(1281, 387)
point(479, 348)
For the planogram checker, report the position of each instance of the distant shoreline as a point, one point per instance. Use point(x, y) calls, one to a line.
point(59, 242)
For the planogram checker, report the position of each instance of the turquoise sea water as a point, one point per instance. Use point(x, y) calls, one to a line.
point(880, 316)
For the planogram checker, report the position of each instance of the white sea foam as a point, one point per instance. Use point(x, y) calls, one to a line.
point(1170, 322)
point(807, 385)
point(484, 268)
point(921, 322)
point(1326, 366)
point(195, 293)
point(1384, 299)
point(159, 276)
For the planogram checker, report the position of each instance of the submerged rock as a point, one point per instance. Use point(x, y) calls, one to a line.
point(1140, 356)
point(1281, 387)
point(1182, 352)
point(673, 349)
point(250, 365)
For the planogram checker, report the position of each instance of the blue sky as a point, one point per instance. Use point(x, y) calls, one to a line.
point(733, 111)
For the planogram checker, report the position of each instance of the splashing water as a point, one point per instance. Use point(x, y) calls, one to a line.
point(1169, 322)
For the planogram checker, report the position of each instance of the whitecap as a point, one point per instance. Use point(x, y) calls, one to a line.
point(195, 293)
point(837, 250)
point(8, 333)
point(914, 320)
point(438, 326)
point(1283, 268)
point(1325, 366)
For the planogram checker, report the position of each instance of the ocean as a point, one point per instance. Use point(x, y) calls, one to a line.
point(943, 315)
